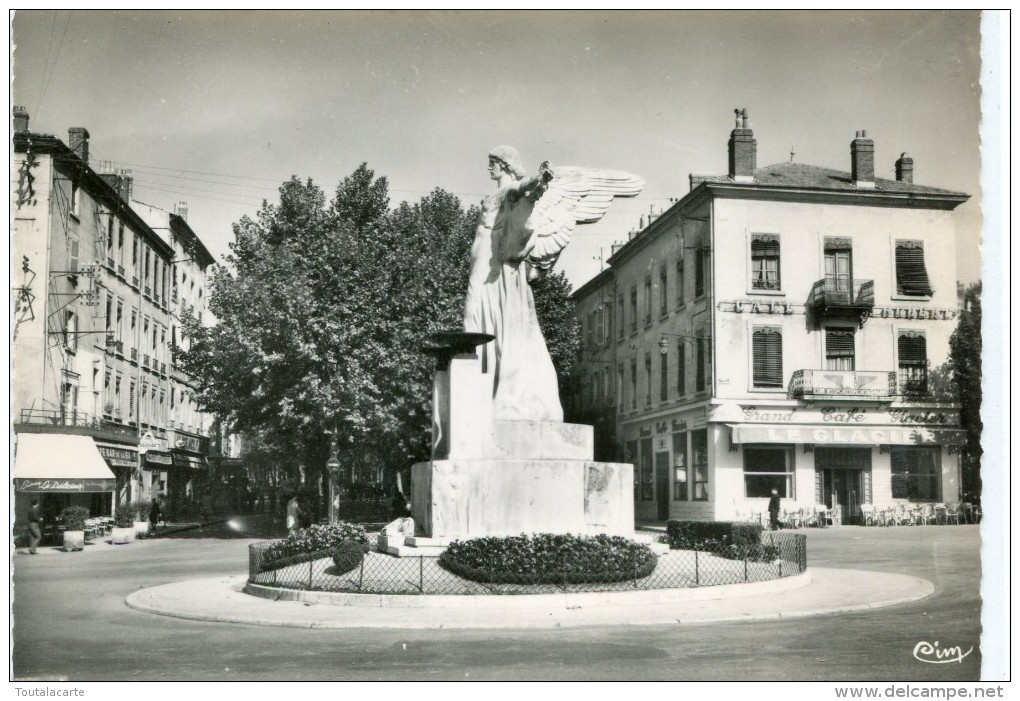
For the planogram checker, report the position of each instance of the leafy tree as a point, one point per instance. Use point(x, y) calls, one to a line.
point(965, 365)
point(561, 330)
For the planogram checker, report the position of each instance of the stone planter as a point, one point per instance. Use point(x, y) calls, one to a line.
point(74, 540)
point(141, 529)
point(122, 536)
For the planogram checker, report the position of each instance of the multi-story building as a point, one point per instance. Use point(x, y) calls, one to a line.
point(782, 328)
point(93, 332)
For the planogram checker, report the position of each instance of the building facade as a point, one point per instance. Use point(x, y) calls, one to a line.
point(782, 328)
point(93, 328)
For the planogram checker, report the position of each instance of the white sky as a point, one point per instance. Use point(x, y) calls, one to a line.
point(185, 99)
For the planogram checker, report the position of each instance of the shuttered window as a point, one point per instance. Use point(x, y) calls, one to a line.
point(912, 353)
point(765, 262)
point(839, 349)
point(911, 275)
point(663, 376)
point(767, 351)
point(681, 368)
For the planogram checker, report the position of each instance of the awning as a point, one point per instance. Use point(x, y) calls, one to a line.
point(190, 462)
point(156, 460)
point(56, 462)
point(860, 435)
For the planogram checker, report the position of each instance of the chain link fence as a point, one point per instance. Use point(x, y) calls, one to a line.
point(778, 555)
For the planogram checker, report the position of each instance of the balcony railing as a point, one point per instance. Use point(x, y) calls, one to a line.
point(842, 299)
point(74, 419)
point(120, 270)
point(134, 354)
point(145, 360)
point(162, 368)
point(835, 385)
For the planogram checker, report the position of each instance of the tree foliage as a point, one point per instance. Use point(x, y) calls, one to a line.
point(322, 310)
point(965, 365)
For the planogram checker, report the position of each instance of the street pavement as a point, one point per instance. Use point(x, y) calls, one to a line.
point(71, 622)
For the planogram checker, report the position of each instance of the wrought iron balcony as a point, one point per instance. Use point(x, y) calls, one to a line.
point(836, 385)
point(843, 299)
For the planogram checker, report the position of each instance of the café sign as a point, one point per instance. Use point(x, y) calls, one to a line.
point(64, 485)
point(822, 435)
point(846, 415)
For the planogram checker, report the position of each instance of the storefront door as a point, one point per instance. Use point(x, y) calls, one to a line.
point(662, 485)
point(843, 487)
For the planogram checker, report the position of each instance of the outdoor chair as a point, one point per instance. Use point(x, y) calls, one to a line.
point(953, 512)
point(869, 516)
point(927, 514)
point(940, 514)
point(792, 519)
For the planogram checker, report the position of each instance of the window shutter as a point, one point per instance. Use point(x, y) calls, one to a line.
point(839, 343)
point(911, 275)
point(767, 349)
point(913, 350)
point(764, 245)
point(837, 243)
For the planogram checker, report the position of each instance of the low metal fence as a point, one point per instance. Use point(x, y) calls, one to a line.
point(778, 555)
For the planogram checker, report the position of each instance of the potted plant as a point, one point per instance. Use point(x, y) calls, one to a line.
point(73, 518)
point(139, 510)
point(124, 529)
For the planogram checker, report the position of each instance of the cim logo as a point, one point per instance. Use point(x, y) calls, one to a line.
point(933, 654)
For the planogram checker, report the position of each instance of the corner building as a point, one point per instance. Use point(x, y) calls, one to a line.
point(785, 328)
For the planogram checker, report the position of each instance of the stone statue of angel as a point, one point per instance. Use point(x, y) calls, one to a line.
point(522, 229)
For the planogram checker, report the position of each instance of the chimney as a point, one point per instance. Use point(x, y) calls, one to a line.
point(905, 169)
point(78, 140)
point(862, 160)
point(181, 210)
point(20, 119)
point(126, 189)
point(743, 149)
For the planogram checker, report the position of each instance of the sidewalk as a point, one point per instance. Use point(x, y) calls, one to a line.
point(819, 591)
point(104, 543)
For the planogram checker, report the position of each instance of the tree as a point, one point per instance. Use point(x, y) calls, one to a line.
point(561, 330)
point(965, 366)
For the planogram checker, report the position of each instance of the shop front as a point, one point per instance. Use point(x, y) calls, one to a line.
point(122, 459)
point(60, 470)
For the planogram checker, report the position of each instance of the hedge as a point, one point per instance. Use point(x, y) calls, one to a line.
point(737, 540)
point(548, 559)
point(312, 543)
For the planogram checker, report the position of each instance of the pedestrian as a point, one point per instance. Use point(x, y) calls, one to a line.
point(154, 513)
point(774, 510)
point(34, 526)
point(295, 514)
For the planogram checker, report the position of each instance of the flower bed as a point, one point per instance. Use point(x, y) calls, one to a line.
point(730, 539)
point(312, 543)
point(548, 559)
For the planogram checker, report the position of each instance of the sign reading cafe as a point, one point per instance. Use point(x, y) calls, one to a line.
point(850, 416)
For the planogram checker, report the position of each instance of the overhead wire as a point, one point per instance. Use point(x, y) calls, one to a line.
point(56, 57)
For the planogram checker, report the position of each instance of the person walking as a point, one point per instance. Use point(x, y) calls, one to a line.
point(154, 513)
point(295, 514)
point(774, 510)
point(34, 526)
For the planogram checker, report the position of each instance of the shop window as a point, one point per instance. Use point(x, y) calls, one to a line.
point(767, 357)
point(680, 466)
point(911, 274)
point(647, 476)
point(767, 468)
point(912, 357)
point(764, 262)
point(916, 473)
point(839, 349)
point(699, 463)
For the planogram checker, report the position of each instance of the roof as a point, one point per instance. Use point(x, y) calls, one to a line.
point(800, 175)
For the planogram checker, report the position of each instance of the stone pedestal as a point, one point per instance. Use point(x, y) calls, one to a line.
point(497, 478)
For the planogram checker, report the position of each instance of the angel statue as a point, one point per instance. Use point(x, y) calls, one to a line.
point(522, 229)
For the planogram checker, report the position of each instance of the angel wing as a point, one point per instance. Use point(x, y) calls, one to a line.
point(574, 196)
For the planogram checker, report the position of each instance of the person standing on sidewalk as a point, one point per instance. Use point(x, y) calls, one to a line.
point(295, 514)
point(34, 526)
point(774, 510)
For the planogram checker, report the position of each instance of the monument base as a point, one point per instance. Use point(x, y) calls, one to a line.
point(467, 498)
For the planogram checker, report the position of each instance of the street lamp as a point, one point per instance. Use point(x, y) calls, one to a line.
point(333, 468)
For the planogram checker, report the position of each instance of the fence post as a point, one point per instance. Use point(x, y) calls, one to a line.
point(697, 579)
point(361, 573)
point(565, 573)
point(633, 560)
point(310, 563)
point(745, 566)
point(421, 573)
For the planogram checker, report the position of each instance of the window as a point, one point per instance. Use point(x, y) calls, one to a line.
point(607, 311)
point(109, 314)
point(767, 360)
point(839, 349)
point(134, 252)
point(764, 262)
point(630, 455)
point(648, 299)
point(619, 387)
point(648, 378)
point(680, 466)
point(699, 463)
point(75, 204)
point(767, 468)
point(647, 477)
point(145, 273)
point(116, 395)
point(589, 332)
point(69, 399)
point(912, 352)
point(120, 245)
point(839, 268)
point(916, 473)
point(633, 309)
point(73, 253)
point(663, 376)
point(680, 282)
point(911, 275)
point(699, 370)
point(70, 331)
point(619, 317)
point(107, 402)
point(663, 296)
point(633, 384)
point(700, 272)
point(120, 320)
point(681, 367)
point(131, 400)
point(600, 325)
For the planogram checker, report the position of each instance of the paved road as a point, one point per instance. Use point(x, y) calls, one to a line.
point(71, 622)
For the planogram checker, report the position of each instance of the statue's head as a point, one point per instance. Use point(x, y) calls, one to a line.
point(509, 159)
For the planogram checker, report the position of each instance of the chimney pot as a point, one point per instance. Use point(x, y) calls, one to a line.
point(905, 168)
point(78, 141)
point(20, 119)
point(743, 149)
point(862, 160)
